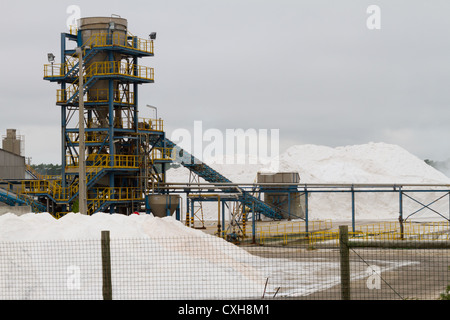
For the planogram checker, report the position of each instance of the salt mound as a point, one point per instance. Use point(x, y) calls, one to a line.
point(367, 163)
point(74, 226)
point(377, 163)
point(146, 251)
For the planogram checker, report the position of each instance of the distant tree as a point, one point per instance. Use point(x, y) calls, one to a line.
point(443, 166)
point(48, 169)
point(76, 206)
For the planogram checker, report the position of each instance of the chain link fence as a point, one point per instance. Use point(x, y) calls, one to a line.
point(193, 268)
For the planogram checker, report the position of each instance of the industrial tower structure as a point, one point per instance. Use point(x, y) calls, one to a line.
point(121, 159)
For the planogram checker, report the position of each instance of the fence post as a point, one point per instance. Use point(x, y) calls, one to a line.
point(345, 262)
point(400, 216)
point(106, 266)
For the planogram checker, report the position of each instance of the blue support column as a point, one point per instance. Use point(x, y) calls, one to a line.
point(178, 212)
point(223, 217)
point(306, 211)
point(147, 205)
point(353, 209)
point(63, 147)
point(135, 96)
point(63, 122)
point(289, 205)
point(111, 126)
point(253, 228)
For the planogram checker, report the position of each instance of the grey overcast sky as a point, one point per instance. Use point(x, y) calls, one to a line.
point(309, 68)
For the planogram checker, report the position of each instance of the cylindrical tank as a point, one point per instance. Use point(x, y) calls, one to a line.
point(102, 30)
point(286, 198)
point(162, 205)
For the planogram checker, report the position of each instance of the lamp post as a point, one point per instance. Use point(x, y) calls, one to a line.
point(51, 59)
point(81, 148)
point(156, 110)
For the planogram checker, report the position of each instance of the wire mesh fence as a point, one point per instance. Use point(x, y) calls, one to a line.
point(197, 268)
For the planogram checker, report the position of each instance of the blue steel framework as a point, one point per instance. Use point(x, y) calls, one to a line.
point(121, 143)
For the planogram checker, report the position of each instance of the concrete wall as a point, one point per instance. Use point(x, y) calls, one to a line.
point(12, 166)
point(18, 210)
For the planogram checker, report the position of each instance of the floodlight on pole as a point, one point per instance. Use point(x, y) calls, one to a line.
point(51, 59)
point(156, 110)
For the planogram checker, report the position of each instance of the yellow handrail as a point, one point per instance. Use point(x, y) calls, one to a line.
point(105, 161)
point(120, 40)
point(55, 70)
point(96, 95)
point(102, 68)
point(296, 226)
point(163, 154)
point(151, 124)
point(73, 29)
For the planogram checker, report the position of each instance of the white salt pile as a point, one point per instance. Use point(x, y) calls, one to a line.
point(367, 163)
point(376, 163)
point(152, 258)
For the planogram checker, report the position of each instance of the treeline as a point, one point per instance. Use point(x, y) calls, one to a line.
point(443, 166)
point(47, 169)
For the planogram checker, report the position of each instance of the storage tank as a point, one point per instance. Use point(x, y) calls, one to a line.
point(285, 197)
point(162, 205)
point(103, 30)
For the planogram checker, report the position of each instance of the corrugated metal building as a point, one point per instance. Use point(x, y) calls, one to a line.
point(12, 166)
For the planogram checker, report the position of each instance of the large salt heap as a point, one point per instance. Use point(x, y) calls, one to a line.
point(372, 163)
point(152, 258)
point(367, 163)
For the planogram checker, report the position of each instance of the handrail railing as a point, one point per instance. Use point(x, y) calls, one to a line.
point(73, 29)
point(103, 68)
point(90, 137)
point(120, 40)
point(163, 154)
point(105, 161)
point(96, 95)
point(148, 124)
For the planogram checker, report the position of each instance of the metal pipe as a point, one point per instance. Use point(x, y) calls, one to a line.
point(315, 185)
